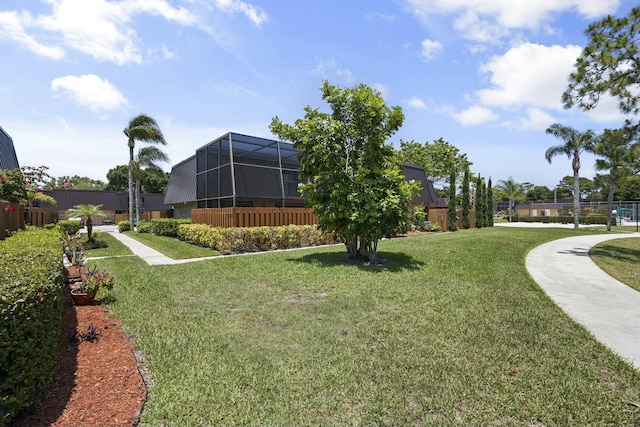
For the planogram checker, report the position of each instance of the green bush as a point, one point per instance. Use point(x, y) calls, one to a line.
point(31, 285)
point(167, 226)
point(71, 227)
point(124, 226)
point(144, 227)
point(253, 239)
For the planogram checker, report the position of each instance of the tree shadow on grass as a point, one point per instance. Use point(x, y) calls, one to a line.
point(388, 261)
point(613, 252)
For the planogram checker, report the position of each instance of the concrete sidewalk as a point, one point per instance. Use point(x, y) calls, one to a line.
point(609, 309)
point(148, 255)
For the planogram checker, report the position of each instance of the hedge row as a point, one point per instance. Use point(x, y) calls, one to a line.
point(31, 297)
point(565, 219)
point(254, 239)
point(161, 226)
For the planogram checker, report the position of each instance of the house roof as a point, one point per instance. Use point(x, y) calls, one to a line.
point(427, 195)
point(181, 187)
point(8, 157)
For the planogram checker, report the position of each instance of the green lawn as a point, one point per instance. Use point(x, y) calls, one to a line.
point(621, 259)
point(452, 331)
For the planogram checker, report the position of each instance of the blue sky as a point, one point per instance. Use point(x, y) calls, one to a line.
point(485, 75)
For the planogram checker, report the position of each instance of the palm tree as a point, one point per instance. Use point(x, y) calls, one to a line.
point(511, 190)
point(147, 157)
point(141, 128)
point(619, 155)
point(88, 211)
point(575, 143)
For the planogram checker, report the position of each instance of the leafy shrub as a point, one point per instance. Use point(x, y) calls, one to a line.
point(200, 235)
point(31, 285)
point(253, 239)
point(69, 226)
point(144, 227)
point(167, 226)
point(124, 226)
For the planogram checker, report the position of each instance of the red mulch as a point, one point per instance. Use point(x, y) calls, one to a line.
point(95, 383)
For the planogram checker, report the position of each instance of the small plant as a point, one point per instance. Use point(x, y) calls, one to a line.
point(90, 336)
point(72, 248)
point(93, 281)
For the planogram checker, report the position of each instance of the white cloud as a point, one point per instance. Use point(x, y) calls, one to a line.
point(535, 119)
point(12, 26)
point(103, 29)
point(430, 48)
point(416, 103)
point(475, 115)
point(254, 13)
point(482, 19)
point(383, 89)
point(345, 74)
point(90, 91)
point(529, 74)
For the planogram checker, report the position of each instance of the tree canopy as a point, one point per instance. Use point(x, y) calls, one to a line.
point(145, 129)
point(354, 179)
point(437, 158)
point(609, 64)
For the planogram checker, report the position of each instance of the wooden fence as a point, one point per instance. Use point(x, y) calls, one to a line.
point(441, 218)
point(252, 217)
point(39, 217)
point(10, 220)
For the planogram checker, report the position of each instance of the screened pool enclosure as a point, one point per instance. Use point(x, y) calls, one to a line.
point(245, 171)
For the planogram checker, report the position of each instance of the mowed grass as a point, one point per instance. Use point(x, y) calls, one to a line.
point(452, 331)
point(620, 258)
point(171, 247)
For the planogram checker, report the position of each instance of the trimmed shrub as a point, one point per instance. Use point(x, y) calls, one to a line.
point(167, 226)
point(144, 227)
point(31, 285)
point(253, 239)
point(124, 226)
point(71, 227)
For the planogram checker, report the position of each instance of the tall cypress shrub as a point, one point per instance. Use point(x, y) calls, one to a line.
point(480, 206)
point(453, 219)
point(489, 204)
point(466, 202)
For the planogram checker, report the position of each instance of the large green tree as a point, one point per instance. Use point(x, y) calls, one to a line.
point(618, 149)
point(354, 179)
point(575, 143)
point(144, 129)
point(118, 178)
point(609, 64)
point(437, 158)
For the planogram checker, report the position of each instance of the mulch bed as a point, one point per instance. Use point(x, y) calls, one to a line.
point(96, 383)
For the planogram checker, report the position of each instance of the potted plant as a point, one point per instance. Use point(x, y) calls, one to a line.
point(73, 256)
point(84, 291)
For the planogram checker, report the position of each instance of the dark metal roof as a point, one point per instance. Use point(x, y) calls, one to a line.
point(8, 157)
point(182, 182)
point(427, 195)
point(111, 200)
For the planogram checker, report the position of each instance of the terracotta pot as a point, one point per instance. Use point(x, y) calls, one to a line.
point(83, 298)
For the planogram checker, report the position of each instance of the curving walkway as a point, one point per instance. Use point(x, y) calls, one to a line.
point(609, 309)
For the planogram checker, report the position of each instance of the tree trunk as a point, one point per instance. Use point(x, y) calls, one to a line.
point(89, 228)
point(131, 146)
point(612, 186)
point(576, 199)
point(137, 197)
